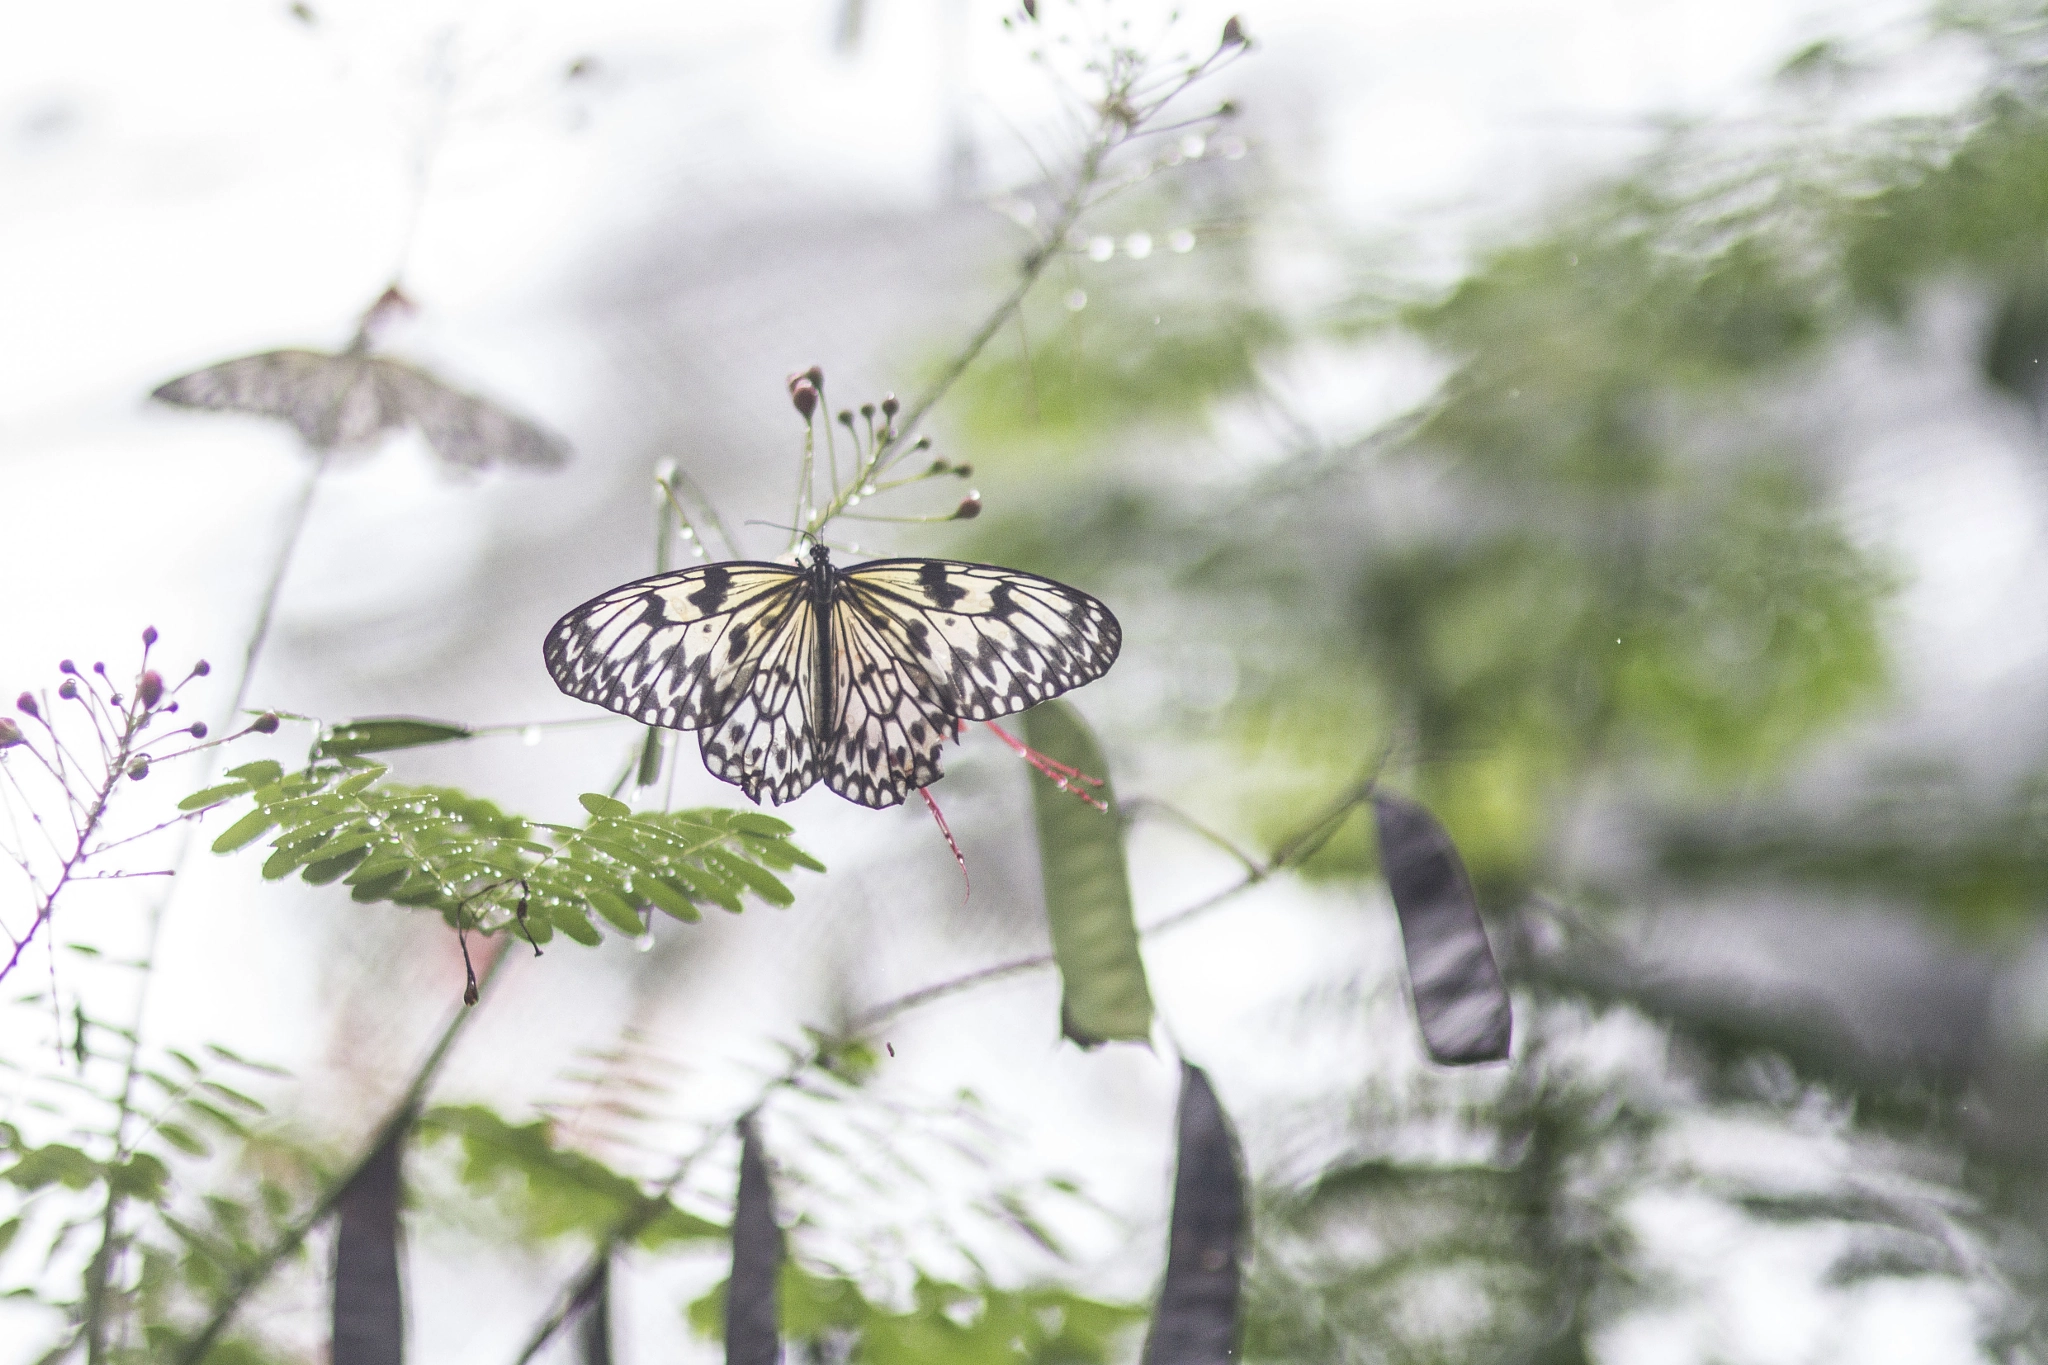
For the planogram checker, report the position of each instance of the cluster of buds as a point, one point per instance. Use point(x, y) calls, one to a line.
point(878, 447)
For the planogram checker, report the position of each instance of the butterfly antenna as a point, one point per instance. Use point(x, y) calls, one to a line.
point(951, 842)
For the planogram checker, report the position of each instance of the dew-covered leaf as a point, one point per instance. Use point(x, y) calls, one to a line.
point(378, 734)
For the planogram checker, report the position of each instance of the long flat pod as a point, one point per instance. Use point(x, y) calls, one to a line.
point(369, 1301)
point(594, 1320)
point(1460, 1001)
point(1197, 1321)
point(751, 1336)
point(1103, 992)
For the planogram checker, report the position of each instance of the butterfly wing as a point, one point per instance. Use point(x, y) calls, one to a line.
point(333, 400)
point(889, 718)
point(465, 430)
point(991, 641)
point(729, 649)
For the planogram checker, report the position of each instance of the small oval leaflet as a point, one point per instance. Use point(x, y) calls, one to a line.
point(1197, 1321)
point(751, 1336)
point(369, 1303)
point(1460, 1002)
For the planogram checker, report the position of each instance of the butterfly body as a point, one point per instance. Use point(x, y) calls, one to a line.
point(795, 674)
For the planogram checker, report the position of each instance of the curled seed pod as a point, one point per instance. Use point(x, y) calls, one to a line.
point(1233, 33)
point(265, 724)
point(68, 689)
point(201, 669)
point(26, 704)
point(969, 508)
point(148, 635)
point(890, 407)
point(66, 666)
point(150, 687)
point(816, 374)
point(197, 729)
point(138, 770)
point(965, 471)
point(10, 734)
point(804, 397)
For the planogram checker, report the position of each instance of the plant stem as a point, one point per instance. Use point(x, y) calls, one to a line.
point(401, 1117)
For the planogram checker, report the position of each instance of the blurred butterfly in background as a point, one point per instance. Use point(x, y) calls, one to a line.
point(350, 399)
point(854, 676)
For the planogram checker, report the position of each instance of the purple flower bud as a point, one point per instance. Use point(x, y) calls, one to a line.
point(816, 375)
point(68, 689)
point(201, 669)
point(138, 770)
point(100, 669)
point(148, 636)
point(197, 729)
point(890, 407)
point(805, 397)
point(265, 724)
point(26, 704)
point(10, 734)
point(150, 688)
point(969, 508)
point(66, 666)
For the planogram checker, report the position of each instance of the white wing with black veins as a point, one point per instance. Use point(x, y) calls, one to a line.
point(990, 641)
point(889, 718)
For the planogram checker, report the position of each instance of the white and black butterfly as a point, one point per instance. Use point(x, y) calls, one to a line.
point(347, 399)
point(857, 676)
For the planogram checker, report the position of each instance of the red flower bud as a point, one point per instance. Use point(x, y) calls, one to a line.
point(10, 734)
point(26, 704)
point(265, 724)
point(148, 636)
point(805, 397)
point(150, 688)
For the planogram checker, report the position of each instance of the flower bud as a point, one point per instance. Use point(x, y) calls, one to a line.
point(66, 666)
point(921, 443)
point(150, 688)
point(805, 397)
point(201, 669)
point(138, 770)
point(197, 729)
point(939, 467)
point(10, 734)
point(265, 724)
point(846, 419)
point(1031, 9)
point(26, 704)
point(965, 471)
point(969, 508)
point(68, 689)
point(100, 669)
point(1233, 33)
point(816, 375)
point(148, 636)
point(867, 410)
point(890, 407)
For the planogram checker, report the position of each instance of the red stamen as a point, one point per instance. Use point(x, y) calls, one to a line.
point(958, 856)
point(1062, 775)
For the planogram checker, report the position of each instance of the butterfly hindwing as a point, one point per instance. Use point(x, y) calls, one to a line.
point(889, 718)
point(766, 744)
point(992, 641)
point(679, 649)
point(465, 430)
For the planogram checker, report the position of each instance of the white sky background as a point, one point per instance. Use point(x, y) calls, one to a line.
point(179, 183)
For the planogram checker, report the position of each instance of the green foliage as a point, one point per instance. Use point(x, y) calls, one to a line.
point(946, 1324)
point(1087, 890)
point(441, 849)
point(555, 1190)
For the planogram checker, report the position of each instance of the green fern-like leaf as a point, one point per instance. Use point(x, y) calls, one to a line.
point(441, 849)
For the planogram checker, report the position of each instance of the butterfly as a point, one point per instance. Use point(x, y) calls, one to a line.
point(856, 676)
point(340, 400)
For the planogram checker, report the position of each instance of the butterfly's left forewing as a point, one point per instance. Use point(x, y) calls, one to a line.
point(992, 641)
point(678, 649)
